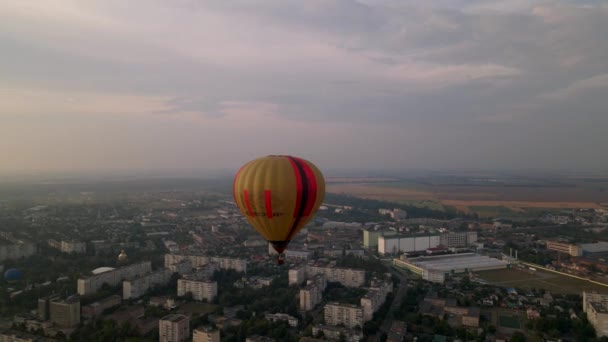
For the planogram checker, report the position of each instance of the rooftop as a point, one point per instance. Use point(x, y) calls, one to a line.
point(174, 318)
point(455, 261)
point(599, 307)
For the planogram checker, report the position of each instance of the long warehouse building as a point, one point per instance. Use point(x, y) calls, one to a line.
point(411, 243)
point(435, 268)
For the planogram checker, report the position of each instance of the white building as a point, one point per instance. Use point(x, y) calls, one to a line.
point(458, 239)
point(312, 294)
point(298, 255)
point(137, 287)
point(79, 247)
point(407, 243)
point(375, 297)
point(434, 268)
point(349, 277)
point(595, 305)
point(106, 275)
point(17, 251)
point(297, 275)
point(348, 314)
point(239, 265)
point(201, 289)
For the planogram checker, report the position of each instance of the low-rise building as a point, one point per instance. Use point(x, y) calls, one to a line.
point(97, 308)
point(18, 336)
point(335, 333)
point(573, 250)
point(106, 275)
point(257, 338)
point(292, 321)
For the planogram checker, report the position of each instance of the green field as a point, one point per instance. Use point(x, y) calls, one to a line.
point(492, 211)
point(430, 204)
point(509, 321)
point(551, 282)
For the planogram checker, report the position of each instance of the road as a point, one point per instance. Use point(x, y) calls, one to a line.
point(397, 299)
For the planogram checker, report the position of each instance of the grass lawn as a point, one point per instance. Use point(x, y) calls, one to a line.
point(551, 282)
point(509, 321)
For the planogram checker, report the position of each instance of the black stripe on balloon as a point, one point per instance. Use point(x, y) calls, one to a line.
point(304, 196)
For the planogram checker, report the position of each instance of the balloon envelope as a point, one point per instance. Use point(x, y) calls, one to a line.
point(12, 274)
point(278, 195)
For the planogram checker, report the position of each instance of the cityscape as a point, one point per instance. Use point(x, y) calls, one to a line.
point(303, 171)
point(183, 265)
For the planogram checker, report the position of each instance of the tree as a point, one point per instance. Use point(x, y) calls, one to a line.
point(518, 337)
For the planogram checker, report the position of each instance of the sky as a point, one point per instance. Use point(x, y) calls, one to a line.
point(369, 84)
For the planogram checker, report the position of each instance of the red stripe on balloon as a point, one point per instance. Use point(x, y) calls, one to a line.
point(312, 187)
point(268, 198)
point(299, 187)
point(247, 203)
point(236, 177)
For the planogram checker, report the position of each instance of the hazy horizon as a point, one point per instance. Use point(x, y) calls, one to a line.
point(376, 85)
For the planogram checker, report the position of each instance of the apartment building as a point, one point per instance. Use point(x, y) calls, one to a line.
point(348, 314)
point(201, 289)
point(206, 334)
point(349, 277)
point(182, 267)
point(65, 313)
point(375, 297)
point(90, 284)
point(595, 305)
point(174, 328)
point(16, 250)
point(312, 294)
point(137, 287)
point(297, 275)
point(239, 265)
point(458, 239)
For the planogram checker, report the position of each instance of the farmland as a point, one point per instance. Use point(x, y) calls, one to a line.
point(484, 198)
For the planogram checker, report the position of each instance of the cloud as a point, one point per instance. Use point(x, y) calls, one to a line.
point(368, 74)
point(595, 82)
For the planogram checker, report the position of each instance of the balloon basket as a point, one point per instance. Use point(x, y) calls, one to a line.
point(281, 259)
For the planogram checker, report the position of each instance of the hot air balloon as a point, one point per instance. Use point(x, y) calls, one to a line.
point(278, 195)
point(12, 274)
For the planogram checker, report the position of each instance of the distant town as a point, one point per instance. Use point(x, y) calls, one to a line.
point(185, 266)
